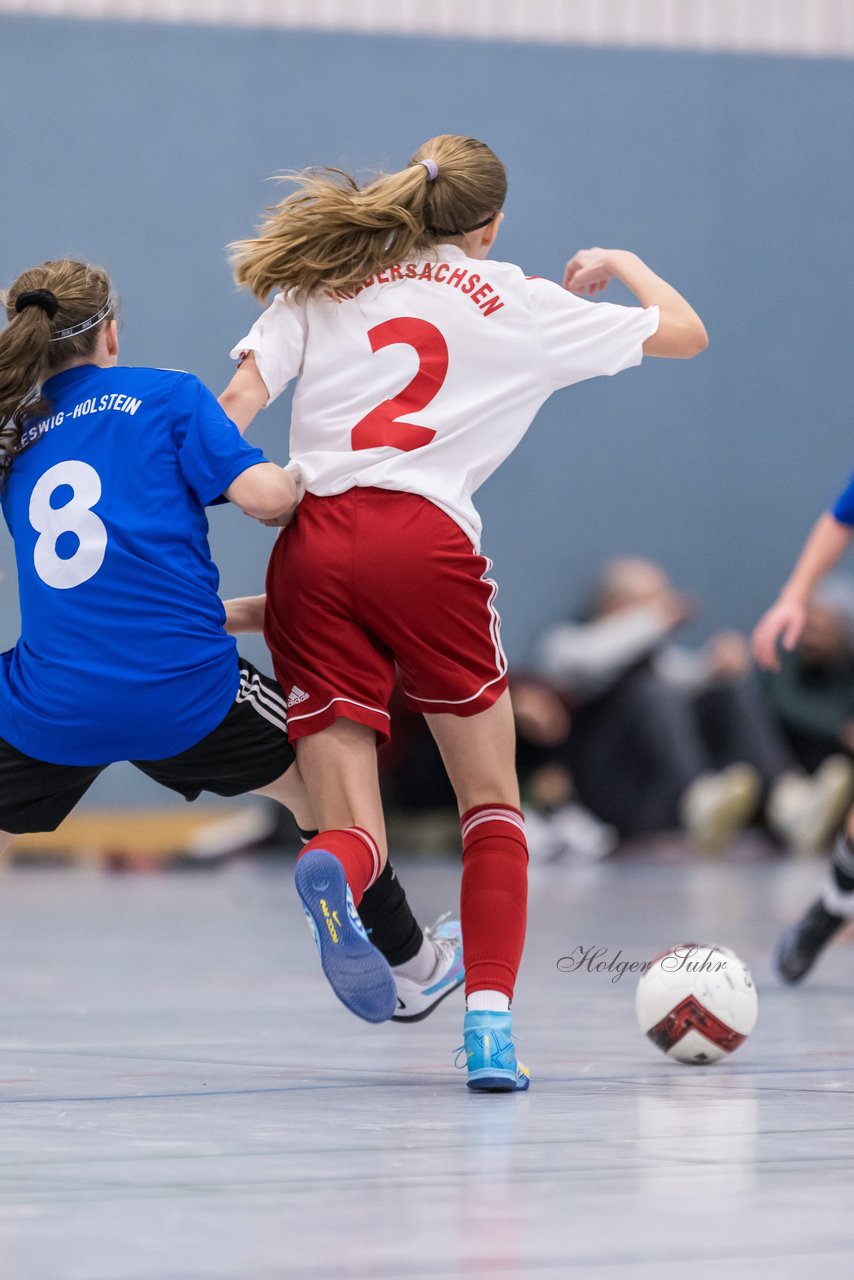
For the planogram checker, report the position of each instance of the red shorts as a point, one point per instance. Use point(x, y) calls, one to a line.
point(372, 579)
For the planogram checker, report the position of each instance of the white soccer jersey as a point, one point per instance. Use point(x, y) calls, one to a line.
point(427, 376)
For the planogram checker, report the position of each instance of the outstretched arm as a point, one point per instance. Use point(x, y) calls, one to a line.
point(784, 621)
point(588, 658)
point(681, 333)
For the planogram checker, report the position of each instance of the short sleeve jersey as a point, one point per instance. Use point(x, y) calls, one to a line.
point(428, 376)
point(123, 654)
point(843, 508)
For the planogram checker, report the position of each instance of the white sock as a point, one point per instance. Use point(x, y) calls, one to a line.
point(837, 901)
point(421, 966)
point(491, 1001)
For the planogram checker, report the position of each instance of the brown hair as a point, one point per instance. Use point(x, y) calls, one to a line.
point(69, 293)
point(331, 234)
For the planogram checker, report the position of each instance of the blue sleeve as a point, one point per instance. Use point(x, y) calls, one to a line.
point(211, 451)
point(843, 509)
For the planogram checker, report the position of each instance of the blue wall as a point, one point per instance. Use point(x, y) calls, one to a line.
point(147, 148)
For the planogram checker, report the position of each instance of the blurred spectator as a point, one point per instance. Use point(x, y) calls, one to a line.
point(557, 826)
point(413, 777)
point(421, 807)
point(666, 737)
point(812, 695)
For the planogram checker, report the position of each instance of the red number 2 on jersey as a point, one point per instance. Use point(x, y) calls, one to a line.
point(382, 426)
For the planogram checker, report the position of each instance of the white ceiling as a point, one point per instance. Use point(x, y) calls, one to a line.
point(810, 28)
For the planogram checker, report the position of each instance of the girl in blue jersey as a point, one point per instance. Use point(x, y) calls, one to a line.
point(783, 624)
point(106, 472)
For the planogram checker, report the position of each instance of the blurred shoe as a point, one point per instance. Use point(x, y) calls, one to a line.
point(570, 832)
point(806, 812)
point(416, 999)
point(800, 946)
point(234, 833)
point(582, 835)
point(544, 844)
point(716, 806)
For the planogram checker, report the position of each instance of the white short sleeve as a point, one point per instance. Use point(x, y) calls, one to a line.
point(583, 339)
point(278, 340)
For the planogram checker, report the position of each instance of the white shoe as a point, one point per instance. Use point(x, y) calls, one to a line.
point(716, 806)
point(582, 835)
point(806, 812)
point(544, 843)
point(571, 832)
point(416, 999)
point(233, 833)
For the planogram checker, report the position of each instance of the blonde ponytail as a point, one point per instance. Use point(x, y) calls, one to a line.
point(41, 305)
point(331, 234)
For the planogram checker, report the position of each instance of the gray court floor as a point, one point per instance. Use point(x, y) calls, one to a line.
point(182, 1099)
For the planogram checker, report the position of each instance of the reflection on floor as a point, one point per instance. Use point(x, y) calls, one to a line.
point(181, 1098)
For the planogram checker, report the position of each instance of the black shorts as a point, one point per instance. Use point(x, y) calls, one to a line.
point(247, 751)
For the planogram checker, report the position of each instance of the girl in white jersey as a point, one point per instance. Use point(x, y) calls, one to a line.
point(420, 366)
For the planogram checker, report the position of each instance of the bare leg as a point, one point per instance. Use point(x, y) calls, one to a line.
point(5, 841)
point(384, 908)
point(479, 753)
point(289, 790)
point(339, 767)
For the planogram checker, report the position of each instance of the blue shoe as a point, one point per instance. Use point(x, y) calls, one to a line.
point(416, 999)
point(491, 1053)
point(358, 974)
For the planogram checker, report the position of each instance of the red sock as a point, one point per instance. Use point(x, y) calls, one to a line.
point(357, 852)
point(494, 896)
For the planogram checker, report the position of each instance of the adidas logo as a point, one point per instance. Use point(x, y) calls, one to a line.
point(296, 695)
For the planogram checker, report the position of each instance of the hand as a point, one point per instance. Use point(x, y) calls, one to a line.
point(783, 621)
point(728, 655)
point(589, 271)
point(679, 609)
point(279, 522)
point(550, 786)
point(540, 714)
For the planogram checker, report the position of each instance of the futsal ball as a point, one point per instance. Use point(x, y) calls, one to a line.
point(697, 1003)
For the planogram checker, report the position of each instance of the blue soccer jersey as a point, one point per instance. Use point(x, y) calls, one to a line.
point(122, 655)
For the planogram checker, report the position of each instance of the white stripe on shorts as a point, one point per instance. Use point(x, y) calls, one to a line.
point(495, 637)
point(307, 715)
point(274, 697)
point(267, 704)
point(271, 700)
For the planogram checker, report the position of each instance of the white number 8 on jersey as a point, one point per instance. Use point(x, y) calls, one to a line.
point(75, 517)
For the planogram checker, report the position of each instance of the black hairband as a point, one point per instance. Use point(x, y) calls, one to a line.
point(43, 298)
point(464, 231)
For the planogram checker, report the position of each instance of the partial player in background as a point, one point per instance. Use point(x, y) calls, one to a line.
point(105, 473)
point(784, 623)
point(420, 367)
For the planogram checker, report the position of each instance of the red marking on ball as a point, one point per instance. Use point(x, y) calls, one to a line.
point(690, 1015)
